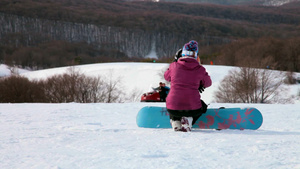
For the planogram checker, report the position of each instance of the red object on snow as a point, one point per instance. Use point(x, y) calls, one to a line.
point(150, 97)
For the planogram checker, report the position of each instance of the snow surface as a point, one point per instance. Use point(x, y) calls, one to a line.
point(4, 70)
point(105, 136)
point(277, 2)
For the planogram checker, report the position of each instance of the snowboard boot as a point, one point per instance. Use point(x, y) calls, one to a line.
point(176, 125)
point(186, 124)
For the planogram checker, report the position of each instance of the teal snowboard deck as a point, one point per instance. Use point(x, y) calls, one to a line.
point(222, 118)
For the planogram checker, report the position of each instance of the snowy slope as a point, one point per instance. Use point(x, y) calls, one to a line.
point(141, 77)
point(5, 71)
point(277, 2)
point(105, 136)
point(138, 78)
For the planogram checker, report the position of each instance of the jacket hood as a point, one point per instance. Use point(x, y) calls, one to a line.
point(188, 62)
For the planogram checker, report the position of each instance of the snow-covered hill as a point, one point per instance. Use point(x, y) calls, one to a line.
point(99, 135)
point(277, 2)
point(7, 71)
point(138, 78)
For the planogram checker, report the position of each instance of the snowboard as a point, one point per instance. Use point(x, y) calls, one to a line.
point(220, 118)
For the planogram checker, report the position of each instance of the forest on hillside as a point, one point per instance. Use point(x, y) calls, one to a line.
point(233, 2)
point(41, 34)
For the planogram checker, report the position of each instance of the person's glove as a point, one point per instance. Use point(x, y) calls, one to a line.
point(178, 55)
point(201, 87)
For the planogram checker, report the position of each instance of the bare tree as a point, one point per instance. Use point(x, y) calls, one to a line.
point(268, 88)
point(75, 87)
point(135, 96)
point(17, 89)
point(71, 86)
point(250, 85)
point(113, 90)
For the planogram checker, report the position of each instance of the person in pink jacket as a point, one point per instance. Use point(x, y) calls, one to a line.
point(187, 77)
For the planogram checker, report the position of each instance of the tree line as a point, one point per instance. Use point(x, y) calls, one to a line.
point(72, 86)
point(42, 34)
point(266, 53)
point(57, 54)
point(177, 21)
point(279, 54)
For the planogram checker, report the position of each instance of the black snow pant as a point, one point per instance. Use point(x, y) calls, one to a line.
point(176, 115)
point(162, 96)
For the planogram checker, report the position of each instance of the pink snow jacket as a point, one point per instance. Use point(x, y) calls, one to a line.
point(185, 76)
